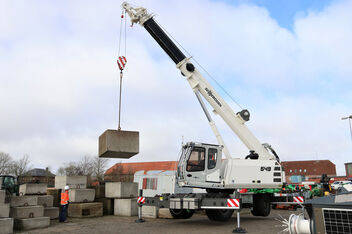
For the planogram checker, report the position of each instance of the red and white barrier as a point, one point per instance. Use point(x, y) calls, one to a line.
point(298, 199)
point(140, 200)
point(233, 202)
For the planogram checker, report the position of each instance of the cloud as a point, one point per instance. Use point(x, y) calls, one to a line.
point(59, 80)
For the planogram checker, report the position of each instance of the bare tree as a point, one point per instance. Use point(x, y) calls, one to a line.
point(5, 163)
point(61, 171)
point(20, 166)
point(85, 166)
point(99, 166)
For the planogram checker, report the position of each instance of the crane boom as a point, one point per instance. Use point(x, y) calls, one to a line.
point(236, 121)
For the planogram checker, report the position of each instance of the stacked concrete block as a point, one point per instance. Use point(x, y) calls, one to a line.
point(56, 193)
point(81, 195)
point(108, 205)
point(85, 210)
point(27, 214)
point(72, 181)
point(32, 189)
point(6, 223)
point(126, 207)
point(150, 212)
point(47, 202)
point(125, 194)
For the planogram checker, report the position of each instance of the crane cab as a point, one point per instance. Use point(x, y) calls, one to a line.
point(200, 165)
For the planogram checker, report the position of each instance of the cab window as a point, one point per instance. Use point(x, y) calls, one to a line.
point(196, 161)
point(212, 156)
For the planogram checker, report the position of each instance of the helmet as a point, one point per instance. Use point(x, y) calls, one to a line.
point(67, 187)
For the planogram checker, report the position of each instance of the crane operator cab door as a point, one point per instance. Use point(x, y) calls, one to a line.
point(199, 165)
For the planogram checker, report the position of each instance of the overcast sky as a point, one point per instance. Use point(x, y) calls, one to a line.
point(290, 65)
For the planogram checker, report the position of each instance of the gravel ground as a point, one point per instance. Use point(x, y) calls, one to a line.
point(199, 223)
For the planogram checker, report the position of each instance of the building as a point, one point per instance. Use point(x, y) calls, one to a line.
point(348, 167)
point(298, 171)
point(124, 172)
point(38, 175)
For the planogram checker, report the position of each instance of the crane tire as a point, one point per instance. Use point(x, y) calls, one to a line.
point(181, 213)
point(261, 205)
point(221, 215)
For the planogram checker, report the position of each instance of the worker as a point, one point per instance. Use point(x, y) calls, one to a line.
point(64, 204)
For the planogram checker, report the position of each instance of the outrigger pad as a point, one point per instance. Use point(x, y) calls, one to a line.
point(118, 144)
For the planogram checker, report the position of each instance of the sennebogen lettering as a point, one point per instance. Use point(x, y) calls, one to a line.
point(210, 93)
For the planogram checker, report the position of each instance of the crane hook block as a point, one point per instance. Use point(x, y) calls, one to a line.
point(121, 62)
point(118, 144)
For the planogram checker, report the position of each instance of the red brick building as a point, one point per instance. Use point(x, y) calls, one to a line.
point(296, 171)
point(348, 167)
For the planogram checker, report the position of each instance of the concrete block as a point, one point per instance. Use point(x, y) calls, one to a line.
point(2, 196)
point(72, 181)
point(45, 200)
point(164, 213)
point(4, 210)
point(23, 201)
point(150, 212)
point(81, 195)
point(32, 223)
point(125, 207)
point(100, 191)
point(51, 212)
point(6, 225)
point(85, 210)
point(118, 144)
point(31, 189)
point(108, 205)
point(121, 189)
point(56, 193)
point(25, 212)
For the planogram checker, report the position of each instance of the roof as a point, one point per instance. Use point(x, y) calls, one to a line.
point(38, 172)
point(131, 168)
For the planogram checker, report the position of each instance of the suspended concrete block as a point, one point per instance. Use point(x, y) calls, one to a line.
point(118, 144)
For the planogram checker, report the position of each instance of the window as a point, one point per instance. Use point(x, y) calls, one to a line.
point(290, 170)
point(150, 183)
point(305, 170)
point(212, 156)
point(196, 161)
point(300, 170)
point(295, 170)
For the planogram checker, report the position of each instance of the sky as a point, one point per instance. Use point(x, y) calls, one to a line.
point(287, 62)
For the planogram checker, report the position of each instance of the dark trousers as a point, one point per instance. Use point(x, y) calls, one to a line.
point(63, 213)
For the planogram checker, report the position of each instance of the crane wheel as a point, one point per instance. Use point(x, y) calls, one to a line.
point(222, 215)
point(181, 213)
point(261, 205)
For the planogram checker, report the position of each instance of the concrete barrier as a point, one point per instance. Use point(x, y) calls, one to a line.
point(2, 196)
point(45, 200)
point(121, 189)
point(150, 212)
point(56, 193)
point(25, 212)
point(51, 212)
point(23, 201)
point(164, 213)
point(72, 181)
point(31, 189)
point(125, 207)
point(81, 195)
point(85, 210)
point(33, 223)
point(4, 210)
point(108, 205)
point(6, 225)
point(118, 144)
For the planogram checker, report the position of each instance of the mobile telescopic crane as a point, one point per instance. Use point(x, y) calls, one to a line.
point(201, 165)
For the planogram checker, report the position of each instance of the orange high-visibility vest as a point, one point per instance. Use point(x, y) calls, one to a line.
point(64, 198)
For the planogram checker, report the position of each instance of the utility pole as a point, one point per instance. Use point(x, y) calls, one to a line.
point(349, 121)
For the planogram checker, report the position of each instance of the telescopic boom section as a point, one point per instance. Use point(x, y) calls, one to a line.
point(197, 82)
